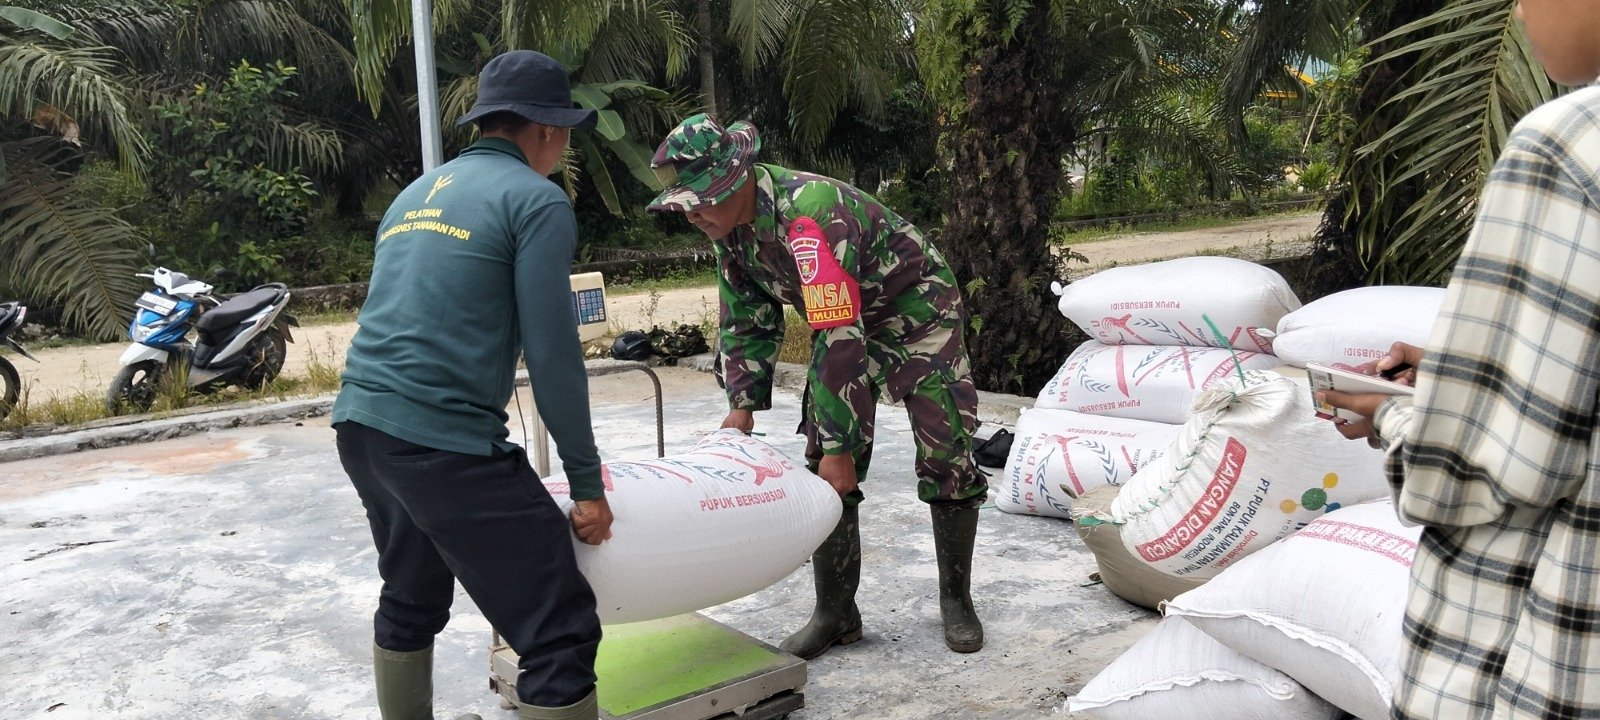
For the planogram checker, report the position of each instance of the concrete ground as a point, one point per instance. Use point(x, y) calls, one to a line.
point(231, 575)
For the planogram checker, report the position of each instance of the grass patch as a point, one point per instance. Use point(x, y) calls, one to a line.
point(321, 376)
point(1201, 222)
point(327, 317)
point(797, 342)
point(58, 342)
point(675, 280)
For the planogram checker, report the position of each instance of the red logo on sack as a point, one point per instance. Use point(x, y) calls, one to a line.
point(832, 297)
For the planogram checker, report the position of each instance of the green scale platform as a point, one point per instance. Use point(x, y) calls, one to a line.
point(688, 667)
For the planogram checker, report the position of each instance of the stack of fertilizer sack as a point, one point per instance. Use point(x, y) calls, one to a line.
point(1298, 565)
point(1119, 400)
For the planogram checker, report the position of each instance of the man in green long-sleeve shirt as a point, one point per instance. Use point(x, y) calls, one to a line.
point(471, 268)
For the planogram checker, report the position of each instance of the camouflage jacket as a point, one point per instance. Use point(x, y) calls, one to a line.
point(908, 329)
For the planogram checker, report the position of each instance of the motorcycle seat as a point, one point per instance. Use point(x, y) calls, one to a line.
point(175, 279)
point(238, 308)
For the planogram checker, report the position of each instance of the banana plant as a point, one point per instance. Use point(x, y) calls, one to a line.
point(614, 136)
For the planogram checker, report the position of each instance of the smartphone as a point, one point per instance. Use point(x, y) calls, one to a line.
point(1347, 381)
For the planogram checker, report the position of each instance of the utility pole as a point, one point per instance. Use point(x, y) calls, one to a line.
point(427, 84)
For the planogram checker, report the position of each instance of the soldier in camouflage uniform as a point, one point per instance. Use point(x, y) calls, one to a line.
point(887, 319)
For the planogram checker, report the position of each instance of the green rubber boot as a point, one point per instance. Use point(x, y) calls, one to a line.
point(585, 709)
point(954, 529)
point(405, 684)
point(836, 568)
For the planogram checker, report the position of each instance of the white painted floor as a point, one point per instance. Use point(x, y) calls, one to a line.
point(231, 575)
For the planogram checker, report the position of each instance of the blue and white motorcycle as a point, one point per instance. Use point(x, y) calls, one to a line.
point(239, 340)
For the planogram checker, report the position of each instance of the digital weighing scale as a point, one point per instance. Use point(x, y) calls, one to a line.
point(688, 667)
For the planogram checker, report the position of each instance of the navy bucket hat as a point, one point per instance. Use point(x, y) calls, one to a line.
point(530, 84)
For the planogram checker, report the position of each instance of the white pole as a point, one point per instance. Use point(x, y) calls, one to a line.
point(427, 84)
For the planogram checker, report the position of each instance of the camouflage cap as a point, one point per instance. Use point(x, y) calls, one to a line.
point(703, 164)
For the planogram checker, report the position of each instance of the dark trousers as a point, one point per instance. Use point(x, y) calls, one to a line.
point(440, 516)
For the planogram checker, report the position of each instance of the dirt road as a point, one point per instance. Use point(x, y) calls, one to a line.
point(1276, 236)
point(69, 371)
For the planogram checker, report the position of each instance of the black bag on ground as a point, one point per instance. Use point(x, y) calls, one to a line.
point(631, 345)
point(994, 452)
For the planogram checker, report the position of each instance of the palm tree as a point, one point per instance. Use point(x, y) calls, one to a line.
point(1023, 83)
point(1446, 82)
point(58, 94)
point(829, 57)
point(631, 112)
point(165, 49)
point(1469, 76)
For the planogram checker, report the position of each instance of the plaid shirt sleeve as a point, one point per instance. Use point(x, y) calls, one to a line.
point(1495, 454)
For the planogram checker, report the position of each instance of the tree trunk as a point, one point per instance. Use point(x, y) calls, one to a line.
point(1335, 257)
point(708, 65)
point(1009, 146)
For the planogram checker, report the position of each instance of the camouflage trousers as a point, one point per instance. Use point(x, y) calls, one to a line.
point(944, 416)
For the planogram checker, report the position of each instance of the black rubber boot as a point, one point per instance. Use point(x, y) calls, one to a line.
point(405, 684)
point(954, 529)
point(585, 709)
point(836, 568)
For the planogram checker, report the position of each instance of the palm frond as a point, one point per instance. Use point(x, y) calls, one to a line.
point(81, 82)
point(548, 25)
point(304, 145)
point(261, 30)
point(758, 29)
point(866, 43)
point(380, 27)
point(61, 247)
point(142, 31)
point(1475, 76)
point(455, 100)
point(635, 41)
point(1134, 50)
point(1182, 131)
point(1272, 35)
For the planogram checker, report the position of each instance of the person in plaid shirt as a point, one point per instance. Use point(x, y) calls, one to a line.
point(1498, 454)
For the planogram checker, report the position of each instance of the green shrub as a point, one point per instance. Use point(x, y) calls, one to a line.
point(1316, 176)
point(221, 168)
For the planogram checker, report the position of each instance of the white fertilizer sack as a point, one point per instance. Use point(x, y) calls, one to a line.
point(1177, 671)
point(1352, 328)
point(1324, 606)
point(1166, 303)
point(1141, 382)
point(1058, 455)
point(1252, 466)
point(719, 522)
